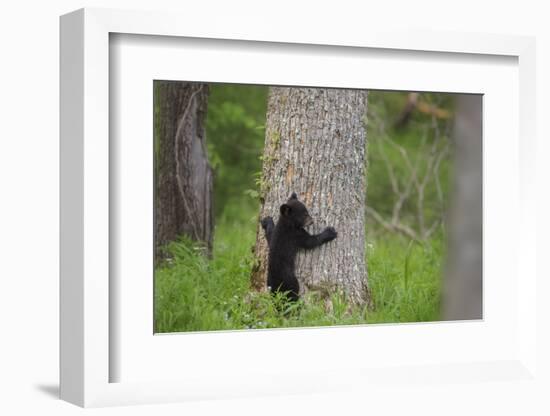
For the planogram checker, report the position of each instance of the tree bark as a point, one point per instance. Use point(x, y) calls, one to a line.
point(315, 146)
point(462, 295)
point(183, 200)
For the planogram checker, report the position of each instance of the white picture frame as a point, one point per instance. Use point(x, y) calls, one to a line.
point(87, 356)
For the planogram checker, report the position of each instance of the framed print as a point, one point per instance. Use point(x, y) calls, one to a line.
point(143, 318)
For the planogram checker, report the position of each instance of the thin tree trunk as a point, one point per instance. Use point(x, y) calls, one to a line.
point(315, 146)
point(183, 200)
point(462, 297)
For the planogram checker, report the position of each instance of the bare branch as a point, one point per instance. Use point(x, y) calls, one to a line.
point(420, 170)
point(402, 228)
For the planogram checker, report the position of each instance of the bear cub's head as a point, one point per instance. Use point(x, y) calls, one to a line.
point(294, 213)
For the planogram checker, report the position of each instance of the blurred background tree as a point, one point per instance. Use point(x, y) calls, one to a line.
point(462, 294)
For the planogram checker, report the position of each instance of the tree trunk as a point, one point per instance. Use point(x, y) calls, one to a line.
point(315, 146)
point(463, 278)
point(183, 200)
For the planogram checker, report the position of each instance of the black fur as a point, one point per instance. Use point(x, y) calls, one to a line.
point(284, 241)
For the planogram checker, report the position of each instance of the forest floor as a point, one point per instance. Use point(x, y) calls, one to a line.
point(194, 293)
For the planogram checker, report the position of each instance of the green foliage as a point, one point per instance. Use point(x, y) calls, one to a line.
point(235, 131)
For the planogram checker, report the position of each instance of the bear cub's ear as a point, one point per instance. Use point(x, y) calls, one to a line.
point(293, 196)
point(285, 210)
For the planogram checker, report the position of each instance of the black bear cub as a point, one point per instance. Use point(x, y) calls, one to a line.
point(284, 241)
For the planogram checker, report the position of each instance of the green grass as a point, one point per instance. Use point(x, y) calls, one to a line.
point(194, 293)
point(405, 279)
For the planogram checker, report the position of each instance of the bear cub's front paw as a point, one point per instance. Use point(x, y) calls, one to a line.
point(266, 221)
point(330, 234)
